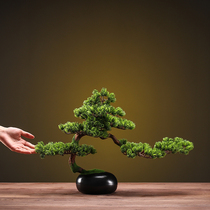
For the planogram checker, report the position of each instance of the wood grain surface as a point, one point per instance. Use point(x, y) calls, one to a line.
point(33, 196)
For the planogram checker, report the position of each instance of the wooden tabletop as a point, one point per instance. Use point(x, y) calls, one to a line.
point(33, 196)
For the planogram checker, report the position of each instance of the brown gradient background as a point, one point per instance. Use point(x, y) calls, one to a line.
point(153, 54)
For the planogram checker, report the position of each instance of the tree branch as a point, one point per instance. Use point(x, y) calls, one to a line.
point(115, 140)
point(67, 132)
point(78, 136)
point(142, 154)
point(168, 152)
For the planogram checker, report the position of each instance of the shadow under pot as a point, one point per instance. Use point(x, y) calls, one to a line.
point(97, 183)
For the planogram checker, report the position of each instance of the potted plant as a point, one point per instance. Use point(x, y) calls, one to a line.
point(99, 117)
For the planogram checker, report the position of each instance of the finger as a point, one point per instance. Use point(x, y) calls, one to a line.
point(27, 134)
point(33, 151)
point(25, 150)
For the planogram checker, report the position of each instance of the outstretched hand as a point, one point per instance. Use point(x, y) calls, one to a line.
point(12, 138)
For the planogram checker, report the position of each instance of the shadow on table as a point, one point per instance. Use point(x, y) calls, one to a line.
point(148, 193)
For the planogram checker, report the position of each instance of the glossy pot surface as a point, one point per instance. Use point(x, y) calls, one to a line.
point(98, 183)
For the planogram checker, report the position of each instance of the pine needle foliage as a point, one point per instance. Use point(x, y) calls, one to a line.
point(99, 118)
point(160, 149)
point(60, 148)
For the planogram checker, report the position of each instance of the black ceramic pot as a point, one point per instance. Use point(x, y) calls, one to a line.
point(98, 183)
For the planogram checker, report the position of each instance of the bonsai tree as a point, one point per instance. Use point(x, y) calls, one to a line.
point(99, 118)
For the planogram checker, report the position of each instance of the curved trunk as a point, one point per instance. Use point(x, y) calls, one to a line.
point(74, 167)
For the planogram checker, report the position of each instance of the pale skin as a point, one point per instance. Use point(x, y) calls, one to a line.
point(12, 138)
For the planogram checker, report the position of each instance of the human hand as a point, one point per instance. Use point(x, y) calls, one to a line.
point(12, 138)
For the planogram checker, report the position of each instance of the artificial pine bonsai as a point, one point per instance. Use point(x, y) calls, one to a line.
point(99, 117)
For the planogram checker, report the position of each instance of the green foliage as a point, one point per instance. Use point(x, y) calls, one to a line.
point(60, 148)
point(74, 167)
point(122, 141)
point(71, 127)
point(168, 145)
point(92, 171)
point(99, 116)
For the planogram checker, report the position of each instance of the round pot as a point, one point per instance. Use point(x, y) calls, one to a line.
point(97, 183)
